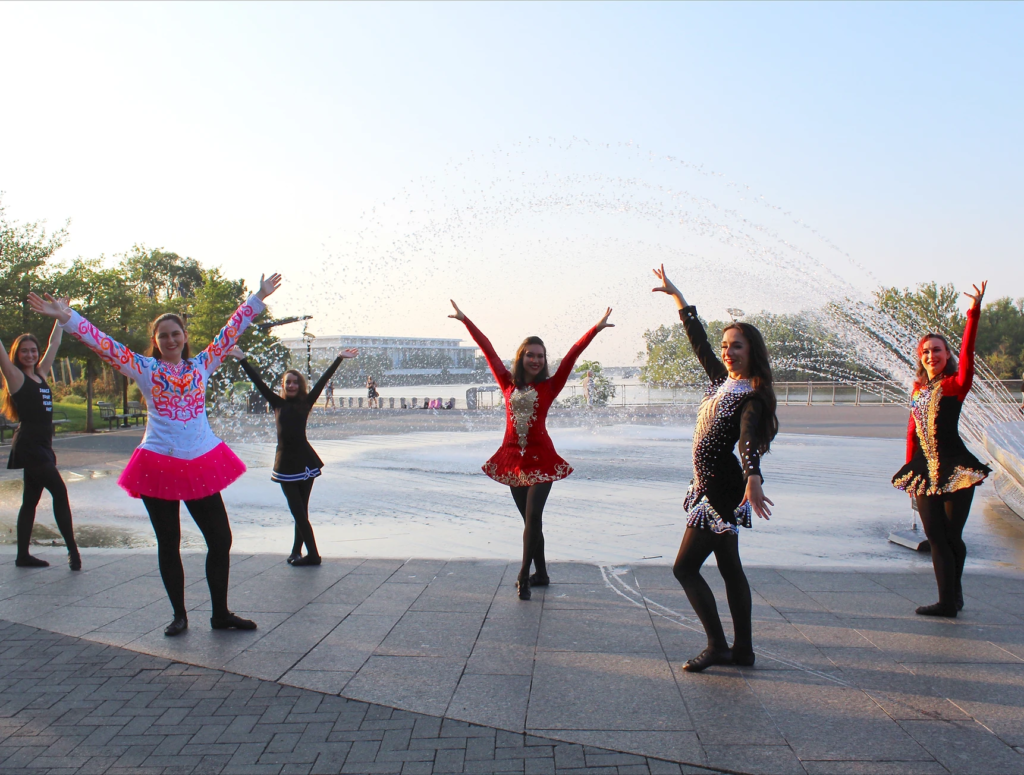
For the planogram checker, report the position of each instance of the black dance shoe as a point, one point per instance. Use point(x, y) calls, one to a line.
point(707, 658)
point(959, 600)
point(938, 609)
point(28, 561)
point(293, 557)
point(178, 626)
point(309, 559)
point(232, 622)
point(743, 656)
point(536, 580)
point(523, 585)
point(74, 560)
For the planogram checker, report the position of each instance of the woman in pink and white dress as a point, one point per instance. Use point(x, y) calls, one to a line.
point(179, 459)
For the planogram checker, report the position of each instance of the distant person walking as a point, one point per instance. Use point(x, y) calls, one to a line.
point(738, 406)
point(588, 387)
point(179, 459)
point(296, 464)
point(27, 399)
point(329, 396)
point(527, 461)
point(941, 473)
point(372, 394)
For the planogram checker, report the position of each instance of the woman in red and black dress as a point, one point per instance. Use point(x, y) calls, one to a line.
point(941, 473)
point(527, 461)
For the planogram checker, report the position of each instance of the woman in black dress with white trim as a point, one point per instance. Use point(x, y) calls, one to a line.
point(738, 406)
point(296, 464)
point(27, 399)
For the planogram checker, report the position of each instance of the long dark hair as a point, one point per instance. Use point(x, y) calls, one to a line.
point(951, 365)
point(7, 403)
point(303, 384)
point(518, 372)
point(154, 348)
point(760, 370)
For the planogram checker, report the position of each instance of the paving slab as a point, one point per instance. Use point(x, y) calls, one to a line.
point(847, 678)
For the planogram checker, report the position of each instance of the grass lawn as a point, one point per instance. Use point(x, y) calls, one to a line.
point(76, 417)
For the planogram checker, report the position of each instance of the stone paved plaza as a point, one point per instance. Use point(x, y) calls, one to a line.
point(848, 679)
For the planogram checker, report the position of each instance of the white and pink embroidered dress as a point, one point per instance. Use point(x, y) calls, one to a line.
point(179, 458)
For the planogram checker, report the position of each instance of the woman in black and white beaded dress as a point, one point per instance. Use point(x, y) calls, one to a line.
point(738, 406)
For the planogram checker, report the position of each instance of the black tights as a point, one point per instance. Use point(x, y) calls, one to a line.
point(530, 502)
point(211, 517)
point(297, 495)
point(944, 517)
point(39, 478)
point(697, 545)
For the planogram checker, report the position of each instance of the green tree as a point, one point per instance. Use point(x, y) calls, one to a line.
point(932, 306)
point(1001, 337)
point(603, 388)
point(25, 252)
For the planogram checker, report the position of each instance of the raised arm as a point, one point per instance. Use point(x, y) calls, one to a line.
point(110, 351)
point(501, 374)
point(210, 359)
point(321, 383)
point(13, 376)
point(695, 332)
point(965, 372)
point(565, 368)
point(46, 362)
point(272, 398)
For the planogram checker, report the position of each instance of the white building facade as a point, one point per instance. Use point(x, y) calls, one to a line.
point(407, 356)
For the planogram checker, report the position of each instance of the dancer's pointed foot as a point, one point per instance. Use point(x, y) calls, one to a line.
point(536, 580)
point(938, 609)
point(708, 657)
point(743, 656)
point(523, 585)
point(28, 561)
point(293, 557)
point(178, 626)
point(232, 622)
point(74, 560)
point(309, 559)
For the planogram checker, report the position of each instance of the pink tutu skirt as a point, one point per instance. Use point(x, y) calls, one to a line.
point(173, 479)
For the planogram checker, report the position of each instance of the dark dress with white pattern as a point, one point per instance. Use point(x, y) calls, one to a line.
point(729, 413)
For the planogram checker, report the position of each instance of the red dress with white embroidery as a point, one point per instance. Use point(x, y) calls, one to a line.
point(527, 456)
point(938, 461)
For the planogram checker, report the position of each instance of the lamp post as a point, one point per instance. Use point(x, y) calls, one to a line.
point(308, 338)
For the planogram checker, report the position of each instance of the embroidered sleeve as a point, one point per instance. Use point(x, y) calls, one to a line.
point(111, 352)
point(569, 361)
point(321, 383)
point(750, 420)
point(210, 359)
point(272, 398)
point(911, 436)
point(501, 375)
point(965, 374)
point(698, 337)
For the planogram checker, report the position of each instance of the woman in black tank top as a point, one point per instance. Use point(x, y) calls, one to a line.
point(27, 399)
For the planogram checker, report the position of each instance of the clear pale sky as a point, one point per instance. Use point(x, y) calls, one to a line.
point(252, 136)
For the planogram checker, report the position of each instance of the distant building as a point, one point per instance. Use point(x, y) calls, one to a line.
point(408, 356)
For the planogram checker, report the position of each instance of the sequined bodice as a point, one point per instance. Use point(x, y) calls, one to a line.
point(717, 430)
point(523, 407)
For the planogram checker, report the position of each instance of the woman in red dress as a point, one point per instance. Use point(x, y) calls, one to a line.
point(527, 461)
point(941, 473)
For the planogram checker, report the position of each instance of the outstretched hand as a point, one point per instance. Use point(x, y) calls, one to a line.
point(458, 312)
point(978, 293)
point(667, 286)
point(603, 323)
point(49, 306)
point(237, 352)
point(351, 352)
point(268, 285)
point(756, 498)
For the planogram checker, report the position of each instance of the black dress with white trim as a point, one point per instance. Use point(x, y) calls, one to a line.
point(730, 412)
point(296, 460)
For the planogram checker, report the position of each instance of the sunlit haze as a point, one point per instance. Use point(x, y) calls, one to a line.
point(533, 161)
